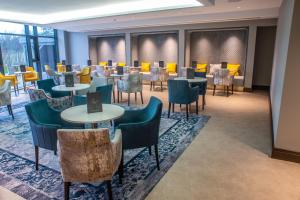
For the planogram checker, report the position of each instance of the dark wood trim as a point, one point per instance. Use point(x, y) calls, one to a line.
point(261, 87)
point(282, 154)
point(277, 153)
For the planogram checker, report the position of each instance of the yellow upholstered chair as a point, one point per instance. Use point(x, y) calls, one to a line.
point(233, 69)
point(201, 68)
point(103, 63)
point(171, 68)
point(145, 67)
point(121, 64)
point(61, 68)
point(12, 78)
point(85, 75)
point(32, 76)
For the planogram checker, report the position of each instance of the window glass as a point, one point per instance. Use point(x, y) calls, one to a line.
point(7, 27)
point(43, 31)
point(31, 31)
point(47, 52)
point(14, 52)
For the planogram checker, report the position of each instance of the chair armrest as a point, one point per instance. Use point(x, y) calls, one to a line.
point(129, 116)
point(134, 127)
point(194, 92)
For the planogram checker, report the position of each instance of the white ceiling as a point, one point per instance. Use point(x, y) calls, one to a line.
point(222, 10)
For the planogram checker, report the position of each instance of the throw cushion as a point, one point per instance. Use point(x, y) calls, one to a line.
point(233, 69)
point(201, 68)
point(171, 67)
point(145, 67)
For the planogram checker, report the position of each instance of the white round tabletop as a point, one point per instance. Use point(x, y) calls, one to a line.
point(77, 86)
point(194, 80)
point(78, 114)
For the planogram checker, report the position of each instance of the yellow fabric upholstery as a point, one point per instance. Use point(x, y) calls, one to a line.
point(145, 67)
point(33, 76)
point(61, 68)
point(171, 67)
point(233, 69)
point(12, 78)
point(47, 67)
point(103, 63)
point(201, 68)
point(121, 64)
point(85, 75)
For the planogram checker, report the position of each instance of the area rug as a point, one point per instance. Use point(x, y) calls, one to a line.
point(17, 167)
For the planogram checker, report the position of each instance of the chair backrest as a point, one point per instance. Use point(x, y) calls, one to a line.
point(178, 91)
point(105, 91)
point(39, 112)
point(155, 73)
point(153, 109)
point(36, 94)
point(5, 93)
point(88, 148)
point(46, 85)
point(222, 77)
point(30, 75)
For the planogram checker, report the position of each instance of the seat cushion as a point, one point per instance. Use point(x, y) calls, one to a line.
point(103, 63)
point(233, 69)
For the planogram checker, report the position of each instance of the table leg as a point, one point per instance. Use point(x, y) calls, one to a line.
point(94, 125)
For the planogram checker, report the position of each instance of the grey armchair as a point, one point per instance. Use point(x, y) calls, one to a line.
point(5, 96)
point(131, 83)
point(89, 155)
point(222, 77)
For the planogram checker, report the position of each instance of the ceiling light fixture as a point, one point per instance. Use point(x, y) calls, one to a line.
point(102, 11)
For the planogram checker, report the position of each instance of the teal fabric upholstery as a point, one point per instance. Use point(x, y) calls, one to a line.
point(105, 92)
point(140, 128)
point(47, 85)
point(44, 123)
point(180, 92)
point(202, 91)
point(79, 100)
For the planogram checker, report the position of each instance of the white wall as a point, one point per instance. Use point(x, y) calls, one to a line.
point(280, 58)
point(286, 84)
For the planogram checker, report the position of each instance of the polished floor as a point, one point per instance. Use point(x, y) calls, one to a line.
point(229, 159)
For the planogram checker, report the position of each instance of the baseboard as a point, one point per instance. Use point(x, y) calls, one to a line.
point(282, 154)
point(248, 89)
point(261, 87)
point(277, 153)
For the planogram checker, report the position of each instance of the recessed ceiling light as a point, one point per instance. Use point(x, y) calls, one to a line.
point(238, 7)
point(113, 9)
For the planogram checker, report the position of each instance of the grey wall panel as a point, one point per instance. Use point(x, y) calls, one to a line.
point(264, 50)
point(111, 48)
point(218, 46)
point(93, 50)
point(155, 47)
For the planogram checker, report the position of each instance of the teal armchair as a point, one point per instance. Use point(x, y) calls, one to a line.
point(140, 128)
point(180, 92)
point(47, 85)
point(44, 122)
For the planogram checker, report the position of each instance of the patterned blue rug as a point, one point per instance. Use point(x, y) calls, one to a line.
point(17, 167)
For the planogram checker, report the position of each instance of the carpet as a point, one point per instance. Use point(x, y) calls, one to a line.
point(17, 170)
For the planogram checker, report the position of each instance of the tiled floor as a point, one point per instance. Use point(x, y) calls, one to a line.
point(229, 159)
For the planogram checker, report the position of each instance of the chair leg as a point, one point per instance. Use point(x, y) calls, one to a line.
point(232, 88)
point(109, 189)
point(214, 90)
point(135, 97)
point(15, 90)
point(118, 96)
point(150, 153)
point(173, 107)
point(67, 190)
point(203, 101)
point(161, 86)
point(187, 111)
point(55, 153)
point(36, 150)
point(197, 107)
point(169, 109)
point(121, 96)
point(157, 156)
point(121, 168)
point(227, 87)
point(11, 112)
point(150, 85)
point(142, 97)
point(128, 99)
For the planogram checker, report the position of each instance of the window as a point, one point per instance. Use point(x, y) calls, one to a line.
point(27, 45)
point(7, 27)
point(14, 52)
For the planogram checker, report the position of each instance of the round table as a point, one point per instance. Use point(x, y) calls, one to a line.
point(79, 115)
point(194, 80)
point(77, 86)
